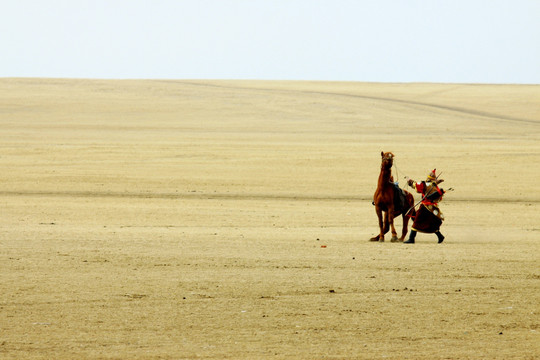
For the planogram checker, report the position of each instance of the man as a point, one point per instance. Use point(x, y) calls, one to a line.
point(428, 217)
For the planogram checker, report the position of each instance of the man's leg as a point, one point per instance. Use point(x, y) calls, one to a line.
point(411, 237)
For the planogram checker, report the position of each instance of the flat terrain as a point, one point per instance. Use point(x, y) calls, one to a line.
point(230, 220)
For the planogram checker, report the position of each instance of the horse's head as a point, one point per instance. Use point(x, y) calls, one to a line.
point(387, 159)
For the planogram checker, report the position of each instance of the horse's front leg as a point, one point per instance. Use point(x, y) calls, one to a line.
point(379, 212)
point(405, 227)
point(390, 217)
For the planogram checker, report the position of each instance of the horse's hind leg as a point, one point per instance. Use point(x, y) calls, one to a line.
point(390, 220)
point(405, 227)
point(407, 215)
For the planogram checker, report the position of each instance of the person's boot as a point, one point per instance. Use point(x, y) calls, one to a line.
point(411, 237)
point(440, 237)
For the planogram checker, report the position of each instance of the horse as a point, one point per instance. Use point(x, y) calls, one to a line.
point(383, 199)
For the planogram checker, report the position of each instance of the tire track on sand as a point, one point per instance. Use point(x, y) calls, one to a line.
point(455, 109)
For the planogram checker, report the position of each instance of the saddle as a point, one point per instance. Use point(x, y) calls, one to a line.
point(399, 198)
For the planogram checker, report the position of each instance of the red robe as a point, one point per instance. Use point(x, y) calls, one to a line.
point(428, 218)
point(434, 193)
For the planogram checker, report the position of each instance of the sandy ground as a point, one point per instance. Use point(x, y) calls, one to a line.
point(230, 220)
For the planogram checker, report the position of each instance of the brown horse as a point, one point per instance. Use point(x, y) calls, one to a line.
point(383, 199)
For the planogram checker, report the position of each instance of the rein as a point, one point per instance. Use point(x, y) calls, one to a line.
point(397, 173)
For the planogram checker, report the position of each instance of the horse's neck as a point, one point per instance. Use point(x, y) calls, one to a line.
point(384, 176)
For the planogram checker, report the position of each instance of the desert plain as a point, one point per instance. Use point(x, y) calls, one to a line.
point(147, 219)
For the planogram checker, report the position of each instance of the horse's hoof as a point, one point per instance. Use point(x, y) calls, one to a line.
point(381, 240)
point(394, 239)
point(376, 238)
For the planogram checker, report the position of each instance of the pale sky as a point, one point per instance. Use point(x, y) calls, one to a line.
point(456, 41)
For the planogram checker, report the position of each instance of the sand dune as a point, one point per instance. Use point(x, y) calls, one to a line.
point(229, 219)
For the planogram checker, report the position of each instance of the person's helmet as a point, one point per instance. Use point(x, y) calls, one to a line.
point(431, 176)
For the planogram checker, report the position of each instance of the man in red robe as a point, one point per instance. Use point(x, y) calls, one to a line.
point(428, 217)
